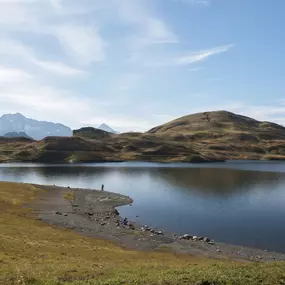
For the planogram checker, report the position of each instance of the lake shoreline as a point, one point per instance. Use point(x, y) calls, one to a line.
point(94, 213)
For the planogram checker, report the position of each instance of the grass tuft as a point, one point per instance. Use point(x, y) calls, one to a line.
point(69, 196)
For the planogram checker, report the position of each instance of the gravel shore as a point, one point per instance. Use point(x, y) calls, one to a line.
point(93, 213)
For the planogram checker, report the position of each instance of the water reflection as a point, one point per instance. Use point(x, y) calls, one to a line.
point(200, 181)
point(236, 206)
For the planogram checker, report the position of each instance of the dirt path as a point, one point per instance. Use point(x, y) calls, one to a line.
point(92, 213)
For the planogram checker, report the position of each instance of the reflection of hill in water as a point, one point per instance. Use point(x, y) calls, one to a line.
point(203, 181)
point(220, 181)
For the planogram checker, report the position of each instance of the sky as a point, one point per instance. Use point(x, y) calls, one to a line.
point(135, 64)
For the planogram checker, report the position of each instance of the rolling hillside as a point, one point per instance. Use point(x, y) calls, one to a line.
point(202, 137)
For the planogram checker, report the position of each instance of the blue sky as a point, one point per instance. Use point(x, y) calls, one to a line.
point(134, 64)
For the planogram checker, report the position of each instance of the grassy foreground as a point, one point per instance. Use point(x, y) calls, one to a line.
point(32, 252)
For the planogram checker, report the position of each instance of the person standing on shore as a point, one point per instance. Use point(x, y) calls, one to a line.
point(102, 187)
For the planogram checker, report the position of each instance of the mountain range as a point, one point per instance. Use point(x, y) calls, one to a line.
point(107, 128)
point(202, 137)
point(13, 124)
point(38, 130)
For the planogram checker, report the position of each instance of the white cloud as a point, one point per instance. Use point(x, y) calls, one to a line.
point(155, 32)
point(179, 61)
point(41, 38)
point(58, 68)
point(15, 13)
point(202, 55)
point(13, 75)
point(82, 43)
point(9, 47)
point(150, 30)
point(40, 100)
point(18, 50)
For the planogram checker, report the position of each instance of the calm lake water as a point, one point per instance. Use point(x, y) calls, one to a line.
point(235, 202)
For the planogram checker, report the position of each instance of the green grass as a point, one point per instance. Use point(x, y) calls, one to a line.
point(32, 252)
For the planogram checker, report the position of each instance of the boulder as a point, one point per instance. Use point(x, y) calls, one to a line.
point(186, 237)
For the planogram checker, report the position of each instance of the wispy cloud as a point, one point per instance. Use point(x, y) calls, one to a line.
point(82, 43)
point(150, 30)
point(202, 55)
point(182, 60)
point(23, 92)
point(23, 53)
point(13, 75)
point(58, 68)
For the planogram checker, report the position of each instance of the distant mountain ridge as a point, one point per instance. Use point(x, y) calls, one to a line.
point(17, 135)
point(107, 128)
point(17, 123)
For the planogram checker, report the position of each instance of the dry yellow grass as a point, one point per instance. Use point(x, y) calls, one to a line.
point(69, 195)
point(32, 252)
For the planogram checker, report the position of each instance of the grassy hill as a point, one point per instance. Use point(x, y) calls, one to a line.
point(221, 124)
point(208, 136)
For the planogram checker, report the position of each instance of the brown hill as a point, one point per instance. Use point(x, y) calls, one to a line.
point(209, 136)
point(221, 124)
point(91, 133)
